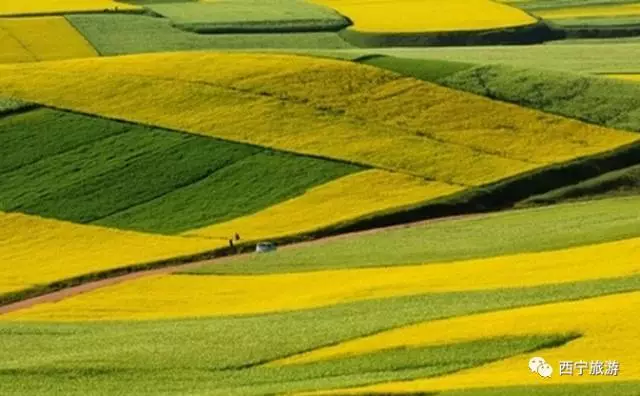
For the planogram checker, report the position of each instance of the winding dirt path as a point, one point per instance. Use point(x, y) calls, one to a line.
point(90, 286)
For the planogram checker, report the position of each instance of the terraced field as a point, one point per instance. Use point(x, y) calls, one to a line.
point(442, 213)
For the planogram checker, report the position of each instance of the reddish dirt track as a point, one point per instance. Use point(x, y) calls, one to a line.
point(90, 286)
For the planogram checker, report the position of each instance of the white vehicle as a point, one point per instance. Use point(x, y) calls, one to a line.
point(265, 247)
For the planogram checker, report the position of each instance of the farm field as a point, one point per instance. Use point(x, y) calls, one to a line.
point(319, 197)
point(391, 16)
point(233, 371)
point(21, 40)
point(250, 16)
point(584, 56)
point(120, 34)
point(44, 7)
point(37, 251)
point(522, 231)
point(497, 136)
point(342, 200)
point(630, 77)
point(156, 297)
point(88, 172)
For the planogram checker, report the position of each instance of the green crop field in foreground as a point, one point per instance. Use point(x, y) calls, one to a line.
point(132, 34)
point(251, 16)
point(89, 170)
point(204, 356)
point(389, 365)
point(531, 230)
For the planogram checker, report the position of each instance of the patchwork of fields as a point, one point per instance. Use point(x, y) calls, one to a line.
point(138, 136)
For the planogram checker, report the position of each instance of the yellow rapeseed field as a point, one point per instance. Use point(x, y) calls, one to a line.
point(179, 296)
point(11, 50)
point(37, 251)
point(628, 77)
point(34, 7)
point(416, 16)
point(612, 10)
point(608, 325)
point(41, 38)
point(317, 106)
point(344, 199)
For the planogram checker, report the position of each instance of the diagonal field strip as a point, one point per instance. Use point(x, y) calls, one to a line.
point(454, 239)
point(86, 169)
point(392, 101)
point(341, 200)
point(173, 296)
point(62, 40)
point(608, 331)
point(37, 251)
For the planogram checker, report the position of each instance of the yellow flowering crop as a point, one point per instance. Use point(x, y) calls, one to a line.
point(340, 200)
point(178, 296)
point(11, 50)
point(612, 10)
point(22, 7)
point(37, 251)
point(317, 106)
point(415, 16)
point(608, 325)
point(628, 77)
point(41, 38)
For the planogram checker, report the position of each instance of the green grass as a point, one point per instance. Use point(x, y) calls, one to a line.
point(132, 34)
point(631, 388)
point(389, 365)
point(597, 100)
point(195, 356)
point(85, 169)
point(531, 230)
point(241, 16)
point(247, 186)
point(623, 182)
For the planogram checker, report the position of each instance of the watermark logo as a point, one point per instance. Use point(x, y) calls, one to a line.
point(579, 368)
point(539, 366)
